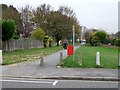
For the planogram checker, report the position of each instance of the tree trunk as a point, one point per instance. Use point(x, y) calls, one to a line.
point(91, 41)
point(57, 42)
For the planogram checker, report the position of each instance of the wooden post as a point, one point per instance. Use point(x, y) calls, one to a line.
point(61, 58)
point(42, 59)
point(80, 58)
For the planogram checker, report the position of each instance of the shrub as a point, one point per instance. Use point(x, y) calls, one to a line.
point(8, 29)
point(95, 40)
point(46, 41)
point(117, 42)
point(113, 41)
point(101, 35)
point(38, 34)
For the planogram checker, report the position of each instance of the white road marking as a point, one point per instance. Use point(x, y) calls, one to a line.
point(55, 82)
point(89, 81)
point(26, 81)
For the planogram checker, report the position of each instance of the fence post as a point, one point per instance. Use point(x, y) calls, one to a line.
point(98, 59)
point(80, 58)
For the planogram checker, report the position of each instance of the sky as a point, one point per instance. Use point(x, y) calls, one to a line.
point(101, 14)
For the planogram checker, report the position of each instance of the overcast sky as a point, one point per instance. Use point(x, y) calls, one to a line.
point(101, 14)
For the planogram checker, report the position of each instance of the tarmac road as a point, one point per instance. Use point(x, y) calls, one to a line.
point(48, 83)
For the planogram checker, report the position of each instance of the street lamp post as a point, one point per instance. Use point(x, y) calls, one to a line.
point(81, 36)
point(73, 40)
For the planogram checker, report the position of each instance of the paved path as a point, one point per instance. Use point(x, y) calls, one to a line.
point(33, 69)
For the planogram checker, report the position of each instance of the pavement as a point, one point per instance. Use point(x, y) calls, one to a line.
point(50, 71)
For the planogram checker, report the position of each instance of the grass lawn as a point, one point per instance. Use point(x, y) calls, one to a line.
point(109, 57)
point(27, 55)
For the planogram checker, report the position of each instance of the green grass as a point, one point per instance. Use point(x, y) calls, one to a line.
point(109, 57)
point(27, 55)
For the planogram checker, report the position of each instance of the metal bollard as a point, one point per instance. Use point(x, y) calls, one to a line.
point(98, 59)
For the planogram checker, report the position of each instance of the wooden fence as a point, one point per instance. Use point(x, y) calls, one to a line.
point(12, 45)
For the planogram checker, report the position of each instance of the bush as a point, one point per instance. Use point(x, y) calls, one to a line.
point(113, 41)
point(16, 35)
point(38, 34)
point(46, 41)
point(101, 35)
point(95, 40)
point(8, 29)
point(117, 42)
point(107, 41)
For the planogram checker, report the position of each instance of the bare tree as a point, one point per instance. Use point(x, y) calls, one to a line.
point(66, 11)
point(26, 16)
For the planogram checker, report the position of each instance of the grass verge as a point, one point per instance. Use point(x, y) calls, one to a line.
point(108, 57)
point(27, 55)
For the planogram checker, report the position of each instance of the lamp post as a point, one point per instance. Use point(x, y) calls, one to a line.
point(81, 35)
point(73, 40)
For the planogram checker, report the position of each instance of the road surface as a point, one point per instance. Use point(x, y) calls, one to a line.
point(45, 83)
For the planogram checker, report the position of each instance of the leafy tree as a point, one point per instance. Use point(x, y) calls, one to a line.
point(95, 36)
point(101, 35)
point(61, 26)
point(8, 29)
point(16, 35)
point(10, 12)
point(95, 40)
point(38, 34)
point(87, 35)
point(57, 24)
point(41, 17)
